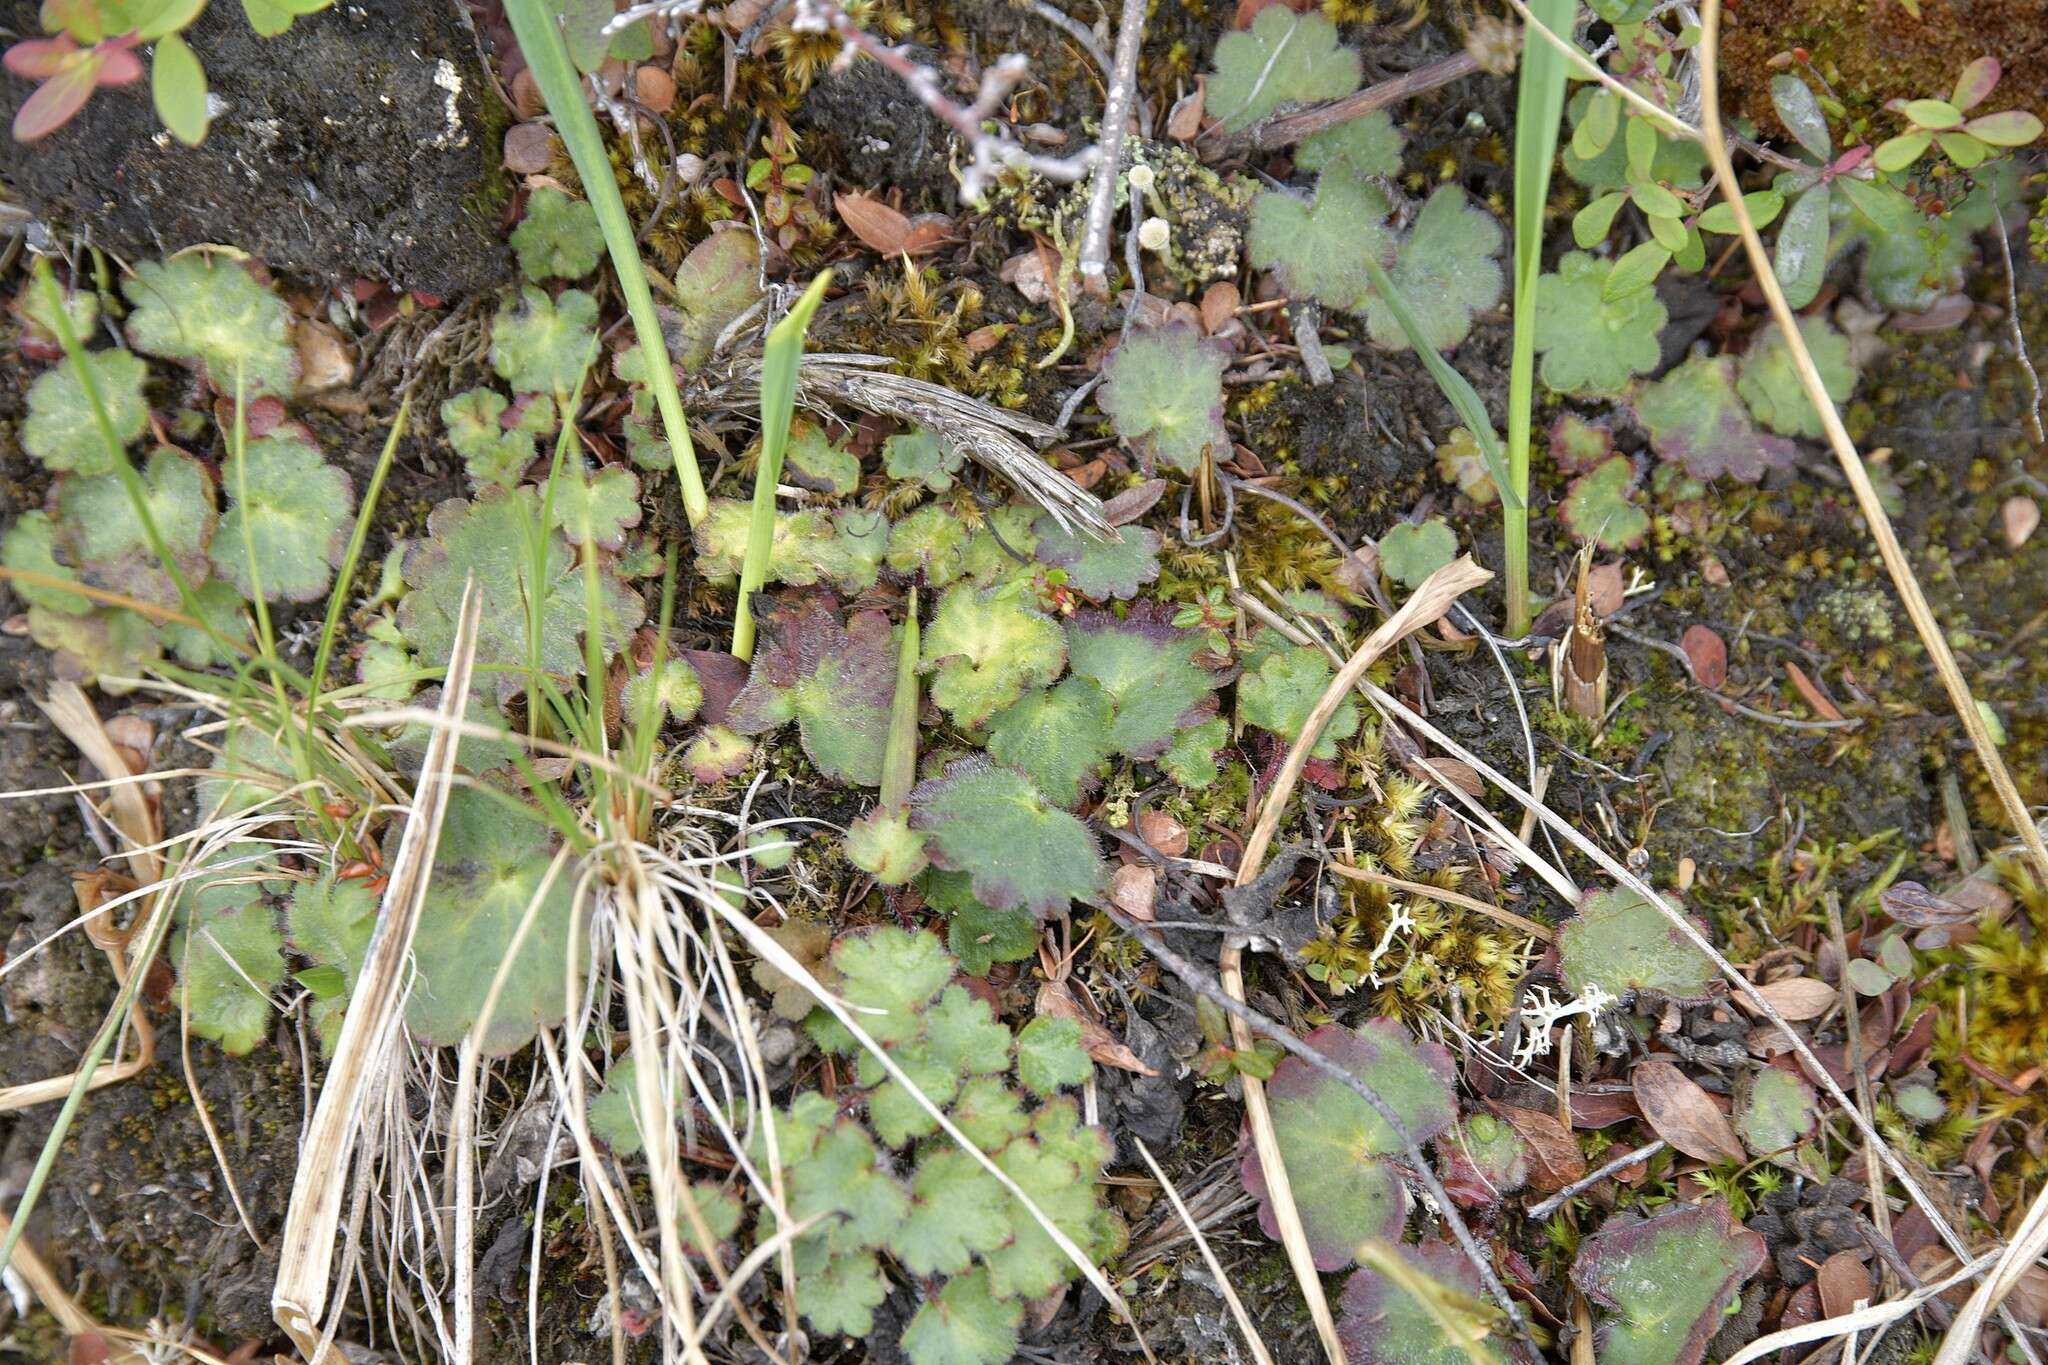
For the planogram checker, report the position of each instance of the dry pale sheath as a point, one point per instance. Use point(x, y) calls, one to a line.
point(988, 435)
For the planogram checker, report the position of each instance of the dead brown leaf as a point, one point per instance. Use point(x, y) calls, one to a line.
point(1843, 1279)
point(1708, 655)
point(878, 226)
point(1913, 904)
point(1606, 589)
point(1163, 832)
point(1135, 890)
point(1555, 1160)
point(1219, 304)
point(1810, 694)
point(1683, 1114)
point(1185, 120)
point(1054, 1002)
point(1799, 997)
point(1127, 506)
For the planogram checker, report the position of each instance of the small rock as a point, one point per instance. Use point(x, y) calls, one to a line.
point(2021, 516)
point(529, 147)
point(655, 88)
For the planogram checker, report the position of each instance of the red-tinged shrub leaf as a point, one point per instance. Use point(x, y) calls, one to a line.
point(55, 101)
point(1337, 1148)
point(1665, 1281)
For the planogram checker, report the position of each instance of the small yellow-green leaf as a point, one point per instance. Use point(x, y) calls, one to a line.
point(177, 85)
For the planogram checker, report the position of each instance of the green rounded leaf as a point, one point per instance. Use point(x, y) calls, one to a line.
point(177, 85)
point(288, 516)
point(1593, 344)
point(62, 430)
point(544, 345)
point(1621, 943)
point(992, 824)
point(209, 311)
point(1935, 114)
point(1163, 391)
point(1282, 58)
point(558, 238)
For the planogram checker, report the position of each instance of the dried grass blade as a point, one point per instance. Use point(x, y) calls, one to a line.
point(1223, 1285)
point(370, 1029)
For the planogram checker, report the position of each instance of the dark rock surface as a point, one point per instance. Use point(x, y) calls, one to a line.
point(361, 143)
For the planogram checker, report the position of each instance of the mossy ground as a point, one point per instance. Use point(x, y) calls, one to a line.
point(1785, 573)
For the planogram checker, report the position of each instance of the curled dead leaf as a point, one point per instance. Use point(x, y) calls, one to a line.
point(1163, 832)
point(1219, 304)
point(1127, 506)
point(1843, 1280)
point(1683, 1114)
point(1811, 694)
point(1555, 1160)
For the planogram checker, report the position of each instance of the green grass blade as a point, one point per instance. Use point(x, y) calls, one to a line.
point(1463, 397)
point(337, 599)
point(537, 26)
point(780, 357)
point(899, 758)
point(1539, 112)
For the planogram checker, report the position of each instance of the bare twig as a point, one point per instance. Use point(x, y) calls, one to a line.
point(1594, 1177)
point(1284, 130)
point(2012, 315)
point(1116, 113)
point(989, 152)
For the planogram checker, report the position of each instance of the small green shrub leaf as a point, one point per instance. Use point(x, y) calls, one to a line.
point(836, 681)
point(1776, 1111)
point(1800, 255)
point(965, 1324)
point(1361, 148)
point(1147, 669)
point(1057, 737)
point(558, 238)
point(1280, 689)
point(598, 509)
point(61, 430)
point(1318, 247)
point(287, 519)
point(1050, 1055)
point(992, 824)
point(209, 311)
point(1384, 1321)
point(1770, 385)
point(107, 534)
point(1447, 262)
point(1163, 391)
point(1665, 1281)
point(1413, 550)
point(1599, 508)
point(30, 544)
point(917, 456)
point(1102, 570)
point(493, 538)
point(1191, 759)
point(544, 345)
point(1283, 58)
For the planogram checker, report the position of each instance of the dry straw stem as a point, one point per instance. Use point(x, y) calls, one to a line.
point(365, 1053)
point(1223, 1285)
point(2028, 1245)
point(1520, 923)
point(1430, 601)
point(1876, 1315)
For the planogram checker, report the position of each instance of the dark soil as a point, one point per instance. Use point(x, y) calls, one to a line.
point(362, 142)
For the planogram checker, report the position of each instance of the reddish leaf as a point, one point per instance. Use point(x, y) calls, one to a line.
point(38, 59)
point(1684, 1115)
point(55, 101)
point(1810, 694)
point(1708, 655)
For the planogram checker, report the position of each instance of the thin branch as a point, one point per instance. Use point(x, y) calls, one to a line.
point(1284, 130)
point(1116, 113)
point(990, 152)
point(1594, 1177)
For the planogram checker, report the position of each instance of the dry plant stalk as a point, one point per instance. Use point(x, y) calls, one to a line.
point(364, 1054)
point(1430, 601)
point(1252, 1340)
